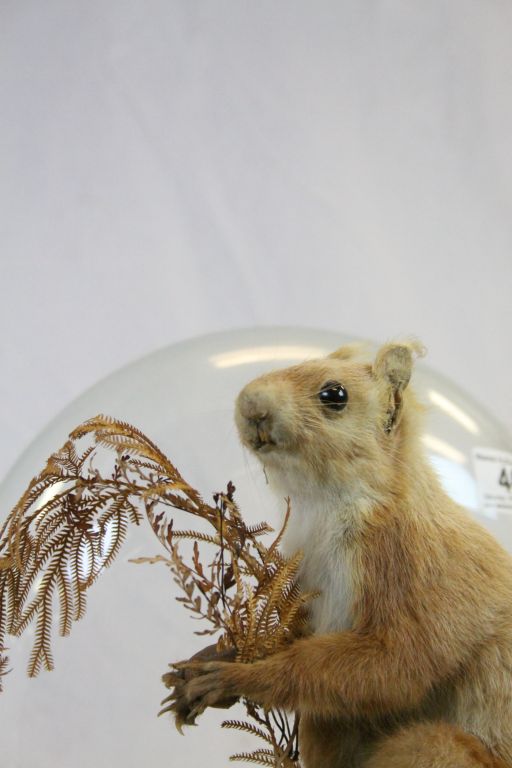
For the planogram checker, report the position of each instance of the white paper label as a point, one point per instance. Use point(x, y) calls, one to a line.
point(493, 470)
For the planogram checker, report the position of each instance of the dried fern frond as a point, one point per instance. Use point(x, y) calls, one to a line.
point(71, 522)
point(259, 757)
point(242, 725)
point(70, 525)
point(282, 756)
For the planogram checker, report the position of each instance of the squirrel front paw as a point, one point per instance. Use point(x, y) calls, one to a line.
point(196, 686)
point(193, 687)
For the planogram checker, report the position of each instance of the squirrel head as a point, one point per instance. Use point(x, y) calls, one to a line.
point(336, 421)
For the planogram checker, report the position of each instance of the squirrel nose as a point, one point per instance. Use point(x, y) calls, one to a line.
point(258, 419)
point(253, 405)
point(255, 416)
point(261, 422)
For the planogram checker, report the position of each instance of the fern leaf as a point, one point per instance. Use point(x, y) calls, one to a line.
point(196, 536)
point(76, 562)
point(12, 607)
point(280, 587)
point(46, 584)
point(4, 621)
point(161, 489)
point(118, 532)
point(259, 757)
point(85, 559)
point(242, 725)
point(41, 653)
point(259, 529)
point(65, 601)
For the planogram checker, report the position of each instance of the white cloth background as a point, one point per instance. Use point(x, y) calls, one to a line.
point(172, 167)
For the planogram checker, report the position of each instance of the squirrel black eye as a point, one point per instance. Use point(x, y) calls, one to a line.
point(333, 395)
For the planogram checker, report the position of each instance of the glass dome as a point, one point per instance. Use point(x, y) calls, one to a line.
point(98, 707)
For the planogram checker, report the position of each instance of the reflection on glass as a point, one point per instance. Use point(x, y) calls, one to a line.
point(436, 445)
point(454, 411)
point(50, 493)
point(264, 354)
point(457, 481)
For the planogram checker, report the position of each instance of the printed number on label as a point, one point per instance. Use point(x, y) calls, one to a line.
point(506, 478)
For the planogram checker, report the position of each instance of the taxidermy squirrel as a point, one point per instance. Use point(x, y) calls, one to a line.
point(409, 659)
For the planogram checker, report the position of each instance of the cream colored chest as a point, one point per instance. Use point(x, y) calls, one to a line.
point(327, 564)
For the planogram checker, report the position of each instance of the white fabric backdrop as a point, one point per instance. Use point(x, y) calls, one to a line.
point(171, 167)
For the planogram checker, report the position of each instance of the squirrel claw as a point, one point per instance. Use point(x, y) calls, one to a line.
point(170, 679)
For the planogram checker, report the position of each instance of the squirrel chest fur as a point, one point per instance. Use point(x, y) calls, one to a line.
point(322, 530)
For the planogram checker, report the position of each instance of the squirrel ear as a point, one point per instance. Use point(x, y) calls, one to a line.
point(393, 364)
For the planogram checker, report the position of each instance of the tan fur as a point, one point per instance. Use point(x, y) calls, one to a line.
point(410, 658)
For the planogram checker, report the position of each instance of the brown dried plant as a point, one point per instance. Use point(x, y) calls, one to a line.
point(71, 522)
